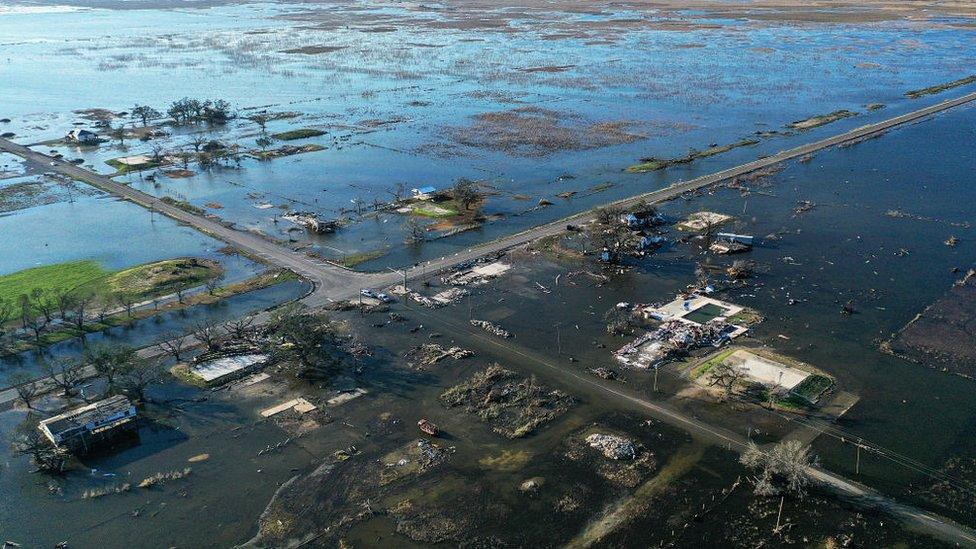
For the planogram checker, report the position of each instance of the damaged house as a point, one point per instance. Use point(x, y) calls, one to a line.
point(81, 429)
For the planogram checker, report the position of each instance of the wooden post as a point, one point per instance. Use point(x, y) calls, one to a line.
point(779, 515)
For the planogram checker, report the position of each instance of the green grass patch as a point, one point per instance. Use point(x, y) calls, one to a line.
point(811, 388)
point(88, 276)
point(707, 365)
point(48, 278)
point(428, 209)
point(352, 260)
point(939, 88)
point(162, 277)
point(302, 133)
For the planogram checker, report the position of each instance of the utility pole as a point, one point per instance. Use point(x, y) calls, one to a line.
point(857, 461)
point(559, 342)
point(655, 378)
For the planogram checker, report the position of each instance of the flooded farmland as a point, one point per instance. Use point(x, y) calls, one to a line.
point(495, 402)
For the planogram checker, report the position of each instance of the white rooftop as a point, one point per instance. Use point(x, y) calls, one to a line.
point(220, 367)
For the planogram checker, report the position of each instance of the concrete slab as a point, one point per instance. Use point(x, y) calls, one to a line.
point(766, 371)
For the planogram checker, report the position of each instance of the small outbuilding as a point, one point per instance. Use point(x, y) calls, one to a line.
point(80, 429)
point(423, 193)
point(82, 136)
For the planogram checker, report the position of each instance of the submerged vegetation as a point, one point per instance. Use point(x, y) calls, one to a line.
point(820, 120)
point(302, 133)
point(939, 88)
point(651, 164)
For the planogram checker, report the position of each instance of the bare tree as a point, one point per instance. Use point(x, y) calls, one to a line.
point(119, 134)
point(127, 301)
point(784, 469)
point(158, 150)
point(65, 300)
point(416, 232)
point(28, 440)
point(398, 191)
point(43, 303)
point(27, 388)
point(240, 328)
point(64, 372)
point(264, 142)
point(173, 344)
point(725, 376)
point(213, 283)
point(145, 113)
point(36, 325)
point(180, 292)
point(465, 193)
point(82, 301)
point(137, 378)
point(208, 333)
point(609, 215)
point(26, 309)
point(7, 312)
point(110, 361)
point(198, 141)
point(261, 119)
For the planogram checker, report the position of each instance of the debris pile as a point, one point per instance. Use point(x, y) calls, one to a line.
point(512, 405)
point(492, 329)
point(476, 275)
point(311, 222)
point(432, 353)
point(673, 338)
point(613, 446)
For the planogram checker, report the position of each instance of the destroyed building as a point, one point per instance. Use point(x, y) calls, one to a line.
point(81, 429)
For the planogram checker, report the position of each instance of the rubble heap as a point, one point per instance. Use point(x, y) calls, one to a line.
point(492, 329)
point(613, 446)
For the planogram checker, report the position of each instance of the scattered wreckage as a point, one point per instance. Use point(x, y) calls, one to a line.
point(492, 329)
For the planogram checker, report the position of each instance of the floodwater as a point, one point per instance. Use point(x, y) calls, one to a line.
point(394, 103)
point(399, 103)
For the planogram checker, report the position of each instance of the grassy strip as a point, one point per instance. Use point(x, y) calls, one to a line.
point(352, 260)
point(939, 88)
point(707, 365)
point(287, 150)
point(302, 133)
point(183, 205)
point(654, 164)
point(820, 120)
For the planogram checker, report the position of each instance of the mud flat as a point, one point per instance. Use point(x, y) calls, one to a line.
point(944, 334)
